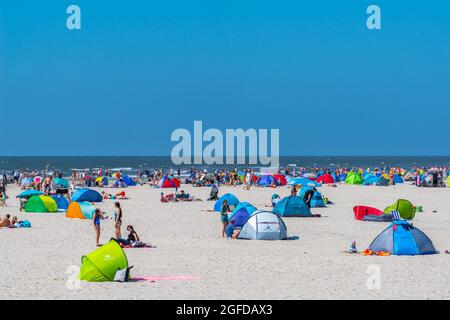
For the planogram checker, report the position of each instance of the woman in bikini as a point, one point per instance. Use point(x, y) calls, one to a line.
point(117, 219)
point(97, 216)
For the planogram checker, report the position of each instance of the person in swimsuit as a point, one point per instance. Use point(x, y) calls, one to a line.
point(224, 209)
point(117, 219)
point(97, 216)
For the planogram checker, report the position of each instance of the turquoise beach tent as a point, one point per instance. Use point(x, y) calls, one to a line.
point(60, 182)
point(242, 213)
point(370, 179)
point(232, 201)
point(29, 193)
point(397, 178)
point(292, 206)
point(304, 182)
point(316, 200)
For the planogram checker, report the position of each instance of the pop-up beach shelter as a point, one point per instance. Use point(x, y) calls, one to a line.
point(103, 263)
point(397, 178)
point(233, 201)
point(80, 210)
point(383, 181)
point(370, 179)
point(242, 213)
point(316, 200)
point(325, 179)
point(60, 183)
point(168, 182)
point(41, 204)
point(353, 178)
point(405, 208)
point(128, 181)
point(402, 238)
point(448, 181)
point(267, 181)
point(292, 206)
point(87, 194)
point(264, 225)
point(281, 179)
point(61, 202)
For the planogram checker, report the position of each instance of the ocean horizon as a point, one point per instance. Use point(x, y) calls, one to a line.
point(139, 163)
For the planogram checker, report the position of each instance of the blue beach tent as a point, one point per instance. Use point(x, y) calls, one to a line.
point(292, 206)
point(242, 213)
point(267, 181)
point(128, 181)
point(316, 200)
point(397, 178)
point(403, 239)
point(88, 195)
point(370, 179)
point(61, 202)
point(232, 201)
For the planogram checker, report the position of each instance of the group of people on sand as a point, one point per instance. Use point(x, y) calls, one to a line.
point(132, 240)
point(8, 221)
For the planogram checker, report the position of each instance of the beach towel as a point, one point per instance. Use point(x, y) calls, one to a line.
point(160, 278)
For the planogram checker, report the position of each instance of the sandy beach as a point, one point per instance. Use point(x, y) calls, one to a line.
point(35, 261)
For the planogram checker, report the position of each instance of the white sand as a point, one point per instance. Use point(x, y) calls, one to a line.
point(34, 261)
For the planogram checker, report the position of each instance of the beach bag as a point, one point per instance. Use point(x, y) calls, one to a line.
point(24, 224)
point(122, 275)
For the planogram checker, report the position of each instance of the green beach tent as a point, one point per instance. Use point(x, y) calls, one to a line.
point(448, 181)
point(41, 204)
point(405, 208)
point(353, 178)
point(103, 263)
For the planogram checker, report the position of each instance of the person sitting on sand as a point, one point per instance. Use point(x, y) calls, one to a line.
point(214, 194)
point(5, 222)
point(133, 239)
point(231, 231)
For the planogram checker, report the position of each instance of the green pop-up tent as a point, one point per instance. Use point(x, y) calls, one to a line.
point(103, 263)
point(405, 208)
point(353, 178)
point(41, 204)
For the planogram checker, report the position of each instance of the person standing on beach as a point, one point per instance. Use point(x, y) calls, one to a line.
point(224, 209)
point(117, 219)
point(96, 219)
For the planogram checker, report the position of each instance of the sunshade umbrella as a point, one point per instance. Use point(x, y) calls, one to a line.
point(303, 182)
point(61, 182)
point(29, 193)
point(37, 179)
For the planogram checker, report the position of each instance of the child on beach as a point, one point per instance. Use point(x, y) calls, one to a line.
point(96, 219)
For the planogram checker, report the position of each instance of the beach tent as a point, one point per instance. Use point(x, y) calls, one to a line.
point(267, 181)
point(448, 181)
point(316, 200)
point(232, 201)
point(383, 181)
point(353, 178)
point(397, 178)
point(342, 177)
point(103, 263)
point(292, 206)
point(310, 175)
point(87, 194)
point(281, 179)
point(370, 179)
point(264, 225)
point(29, 193)
point(41, 204)
point(80, 210)
point(102, 180)
point(405, 208)
point(60, 183)
point(61, 202)
point(402, 238)
point(325, 179)
point(335, 177)
point(128, 181)
point(168, 182)
point(242, 213)
point(303, 182)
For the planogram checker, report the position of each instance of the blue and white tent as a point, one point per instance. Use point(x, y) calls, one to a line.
point(264, 225)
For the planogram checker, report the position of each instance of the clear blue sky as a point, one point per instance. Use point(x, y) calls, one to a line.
point(139, 69)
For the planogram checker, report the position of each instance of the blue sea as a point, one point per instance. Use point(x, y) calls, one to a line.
point(133, 164)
